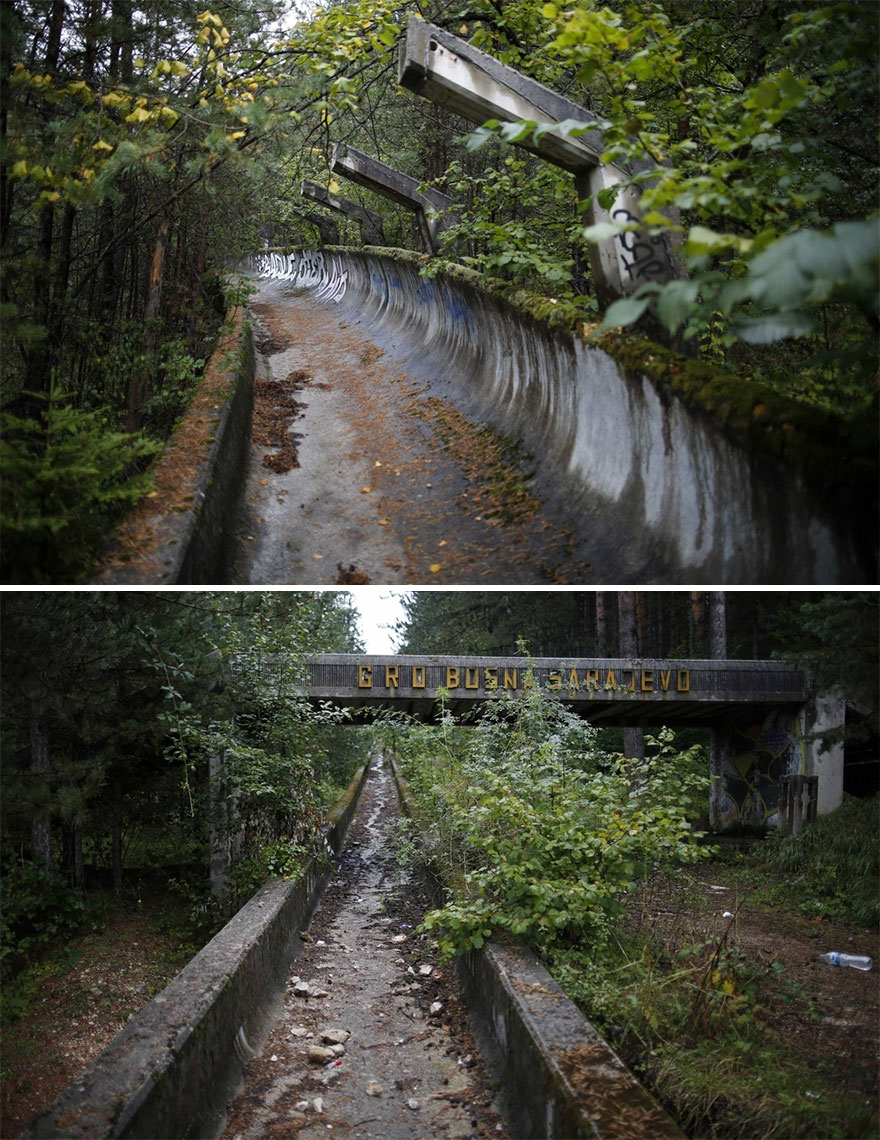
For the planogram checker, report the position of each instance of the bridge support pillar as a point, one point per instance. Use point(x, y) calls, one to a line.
point(749, 758)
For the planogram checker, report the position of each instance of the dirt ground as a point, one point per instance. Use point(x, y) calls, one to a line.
point(390, 482)
point(81, 1002)
point(829, 1016)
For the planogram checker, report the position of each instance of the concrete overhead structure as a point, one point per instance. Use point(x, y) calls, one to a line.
point(431, 207)
point(446, 70)
point(370, 222)
point(767, 724)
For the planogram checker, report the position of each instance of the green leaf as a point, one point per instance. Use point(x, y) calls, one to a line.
point(625, 312)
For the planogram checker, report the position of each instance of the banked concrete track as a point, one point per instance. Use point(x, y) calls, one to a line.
point(663, 469)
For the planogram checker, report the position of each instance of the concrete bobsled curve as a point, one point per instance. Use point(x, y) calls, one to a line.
point(171, 1070)
point(676, 471)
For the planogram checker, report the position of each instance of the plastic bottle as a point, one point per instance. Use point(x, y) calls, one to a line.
point(857, 961)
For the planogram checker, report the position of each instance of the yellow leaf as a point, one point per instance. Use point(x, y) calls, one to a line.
point(51, 196)
point(101, 145)
point(179, 68)
point(264, 482)
point(317, 557)
point(436, 567)
point(333, 186)
point(383, 522)
point(366, 490)
point(236, 135)
point(138, 115)
point(19, 170)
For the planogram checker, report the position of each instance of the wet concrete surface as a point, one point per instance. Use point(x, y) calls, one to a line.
point(406, 1069)
point(394, 484)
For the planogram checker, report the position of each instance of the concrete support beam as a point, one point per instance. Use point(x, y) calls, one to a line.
point(370, 223)
point(824, 713)
point(447, 70)
point(401, 188)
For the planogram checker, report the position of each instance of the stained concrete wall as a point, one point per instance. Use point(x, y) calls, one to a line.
point(180, 535)
point(170, 1072)
point(676, 471)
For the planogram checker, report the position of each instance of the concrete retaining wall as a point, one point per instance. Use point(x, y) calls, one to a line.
point(171, 1070)
point(676, 471)
point(560, 1077)
point(179, 535)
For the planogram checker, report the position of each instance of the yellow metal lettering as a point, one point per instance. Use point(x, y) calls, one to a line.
point(392, 677)
point(591, 679)
point(452, 676)
point(610, 680)
point(554, 682)
point(365, 676)
point(510, 679)
point(683, 683)
point(573, 683)
point(418, 676)
point(647, 680)
point(631, 687)
point(491, 676)
point(472, 678)
point(665, 678)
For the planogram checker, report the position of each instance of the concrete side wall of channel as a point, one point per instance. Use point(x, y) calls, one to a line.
point(171, 1070)
point(697, 474)
point(179, 535)
point(560, 1077)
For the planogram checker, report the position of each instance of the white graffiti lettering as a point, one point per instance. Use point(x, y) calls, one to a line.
point(308, 269)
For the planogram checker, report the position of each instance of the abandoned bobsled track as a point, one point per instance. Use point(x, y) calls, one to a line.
point(299, 1021)
point(430, 430)
point(656, 467)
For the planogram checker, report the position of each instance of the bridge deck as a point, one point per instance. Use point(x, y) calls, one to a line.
point(612, 690)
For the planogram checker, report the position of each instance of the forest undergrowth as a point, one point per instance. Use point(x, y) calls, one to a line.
point(700, 967)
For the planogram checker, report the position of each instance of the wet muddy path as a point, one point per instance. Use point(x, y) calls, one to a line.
point(373, 1041)
point(360, 474)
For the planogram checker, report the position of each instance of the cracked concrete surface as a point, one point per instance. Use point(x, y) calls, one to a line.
point(367, 980)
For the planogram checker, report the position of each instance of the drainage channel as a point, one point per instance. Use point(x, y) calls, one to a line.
point(378, 477)
point(373, 1039)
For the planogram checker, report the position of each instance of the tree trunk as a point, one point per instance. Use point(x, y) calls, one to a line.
point(137, 394)
point(718, 625)
point(116, 834)
point(698, 624)
point(633, 738)
point(601, 625)
point(41, 826)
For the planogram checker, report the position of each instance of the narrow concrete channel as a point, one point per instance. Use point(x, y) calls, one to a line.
point(390, 482)
point(373, 1040)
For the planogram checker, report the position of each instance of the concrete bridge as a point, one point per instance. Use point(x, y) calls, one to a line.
point(765, 720)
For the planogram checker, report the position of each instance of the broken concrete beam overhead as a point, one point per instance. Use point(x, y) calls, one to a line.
point(447, 70)
point(385, 180)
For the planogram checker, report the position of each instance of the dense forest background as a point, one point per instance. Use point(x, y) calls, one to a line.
point(146, 147)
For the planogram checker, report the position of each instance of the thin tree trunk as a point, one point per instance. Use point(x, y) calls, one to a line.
point(41, 826)
point(698, 624)
point(116, 834)
point(633, 737)
point(137, 395)
point(601, 625)
point(718, 624)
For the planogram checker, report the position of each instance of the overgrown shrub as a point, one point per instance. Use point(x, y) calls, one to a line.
point(39, 910)
point(833, 866)
point(65, 476)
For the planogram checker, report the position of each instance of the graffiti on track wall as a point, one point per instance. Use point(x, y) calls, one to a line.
point(311, 269)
